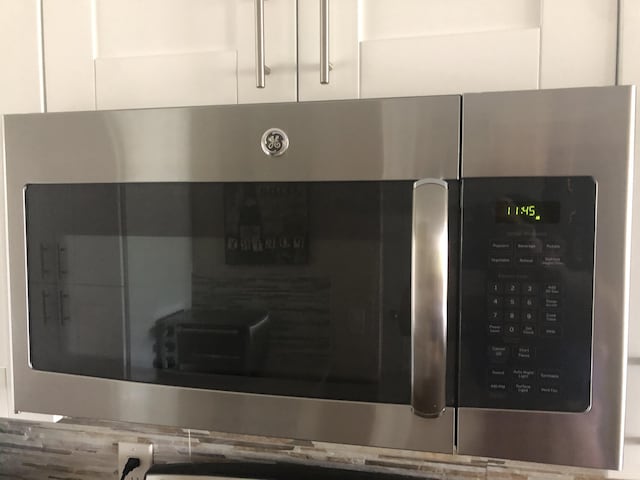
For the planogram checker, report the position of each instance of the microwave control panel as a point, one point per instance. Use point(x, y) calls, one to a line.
point(526, 293)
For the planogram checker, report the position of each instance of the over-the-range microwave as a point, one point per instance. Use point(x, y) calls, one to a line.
point(445, 274)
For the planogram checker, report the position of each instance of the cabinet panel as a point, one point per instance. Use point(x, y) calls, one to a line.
point(110, 54)
point(506, 60)
point(166, 80)
point(579, 43)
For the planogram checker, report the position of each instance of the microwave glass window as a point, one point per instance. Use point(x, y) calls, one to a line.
point(298, 289)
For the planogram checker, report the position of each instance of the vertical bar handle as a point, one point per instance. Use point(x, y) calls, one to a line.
point(429, 273)
point(260, 66)
point(324, 42)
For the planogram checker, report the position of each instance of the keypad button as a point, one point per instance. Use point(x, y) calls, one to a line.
point(528, 330)
point(522, 352)
point(498, 353)
point(529, 316)
point(552, 261)
point(551, 331)
point(497, 374)
point(495, 315)
point(511, 330)
point(511, 315)
point(529, 288)
point(551, 316)
point(494, 288)
point(512, 288)
point(549, 376)
point(512, 302)
point(529, 302)
point(494, 301)
point(523, 388)
point(498, 387)
point(499, 260)
point(494, 329)
point(526, 374)
point(551, 390)
point(552, 289)
point(555, 247)
point(500, 245)
point(529, 246)
point(551, 302)
point(526, 260)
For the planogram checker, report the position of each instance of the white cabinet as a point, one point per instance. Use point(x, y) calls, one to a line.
point(111, 54)
point(384, 48)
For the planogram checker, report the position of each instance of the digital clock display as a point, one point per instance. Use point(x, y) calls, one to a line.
point(527, 212)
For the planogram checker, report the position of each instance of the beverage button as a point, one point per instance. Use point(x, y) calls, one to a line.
point(500, 245)
point(526, 374)
point(551, 331)
point(529, 288)
point(498, 353)
point(526, 260)
point(499, 260)
point(494, 329)
point(529, 330)
point(527, 246)
point(524, 352)
point(523, 388)
point(551, 316)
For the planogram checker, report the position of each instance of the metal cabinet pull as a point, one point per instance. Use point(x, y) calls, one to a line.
point(429, 272)
point(324, 42)
point(261, 68)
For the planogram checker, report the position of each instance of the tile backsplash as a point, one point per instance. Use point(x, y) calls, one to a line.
point(76, 449)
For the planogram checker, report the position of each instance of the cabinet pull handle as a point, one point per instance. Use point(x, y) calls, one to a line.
point(261, 68)
point(325, 67)
point(429, 272)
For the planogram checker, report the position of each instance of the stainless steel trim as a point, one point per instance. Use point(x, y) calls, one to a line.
point(260, 65)
point(324, 42)
point(389, 139)
point(586, 131)
point(429, 272)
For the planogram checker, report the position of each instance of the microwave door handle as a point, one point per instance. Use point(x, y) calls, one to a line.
point(429, 271)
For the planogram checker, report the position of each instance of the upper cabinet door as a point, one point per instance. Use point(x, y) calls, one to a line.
point(112, 54)
point(381, 48)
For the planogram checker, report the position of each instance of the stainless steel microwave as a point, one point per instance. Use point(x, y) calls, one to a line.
point(446, 274)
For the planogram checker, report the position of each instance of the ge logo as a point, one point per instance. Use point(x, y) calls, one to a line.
point(274, 142)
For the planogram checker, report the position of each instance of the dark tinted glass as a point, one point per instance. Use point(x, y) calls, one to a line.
point(298, 289)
